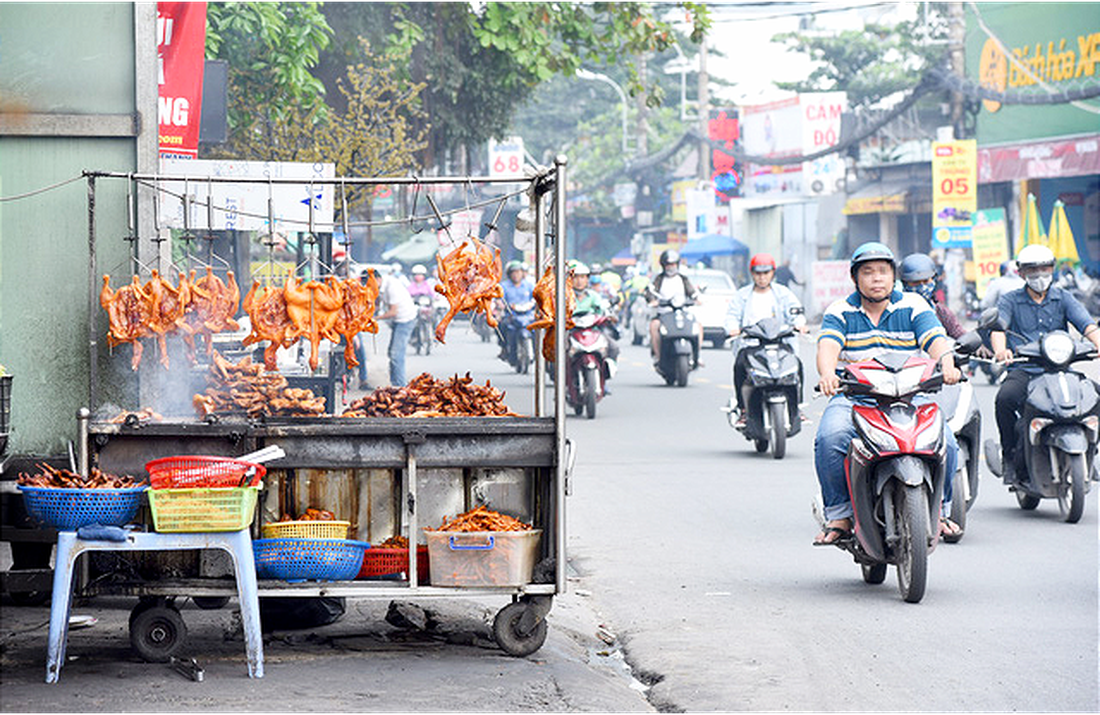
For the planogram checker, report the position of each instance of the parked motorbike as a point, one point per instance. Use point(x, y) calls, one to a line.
point(679, 350)
point(960, 409)
point(587, 366)
point(895, 469)
point(519, 344)
point(772, 388)
point(1057, 432)
point(421, 338)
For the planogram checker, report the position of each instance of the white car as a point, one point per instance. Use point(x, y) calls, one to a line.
point(716, 289)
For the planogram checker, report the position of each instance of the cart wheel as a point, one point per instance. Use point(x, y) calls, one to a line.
point(507, 631)
point(210, 603)
point(157, 633)
point(144, 604)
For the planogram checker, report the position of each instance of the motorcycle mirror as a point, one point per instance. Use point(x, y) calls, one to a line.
point(991, 319)
point(968, 343)
point(796, 310)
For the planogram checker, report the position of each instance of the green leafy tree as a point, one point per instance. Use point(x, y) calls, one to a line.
point(270, 48)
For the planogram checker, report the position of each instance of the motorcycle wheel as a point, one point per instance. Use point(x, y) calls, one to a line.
point(1072, 500)
point(426, 337)
point(591, 388)
point(912, 529)
point(960, 496)
point(873, 574)
point(761, 445)
point(1026, 501)
point(779, 431)
point(522, 358)
point(683, 366)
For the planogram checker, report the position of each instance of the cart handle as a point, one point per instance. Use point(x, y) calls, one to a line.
point(472, 547)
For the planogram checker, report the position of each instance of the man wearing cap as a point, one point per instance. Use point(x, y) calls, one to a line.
point(751, 304)
point(873, 320)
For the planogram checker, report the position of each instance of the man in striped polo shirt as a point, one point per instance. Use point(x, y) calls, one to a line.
point(874, 319)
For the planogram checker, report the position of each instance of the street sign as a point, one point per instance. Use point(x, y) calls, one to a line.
point(954, 192)
point(506, 157)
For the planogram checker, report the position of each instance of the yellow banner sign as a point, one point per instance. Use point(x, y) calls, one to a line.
point(954, 183)
point(990, 247)
point(895, 203)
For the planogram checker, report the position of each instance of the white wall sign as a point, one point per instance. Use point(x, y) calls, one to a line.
point(506, 157)
point(820, 130)
point(245, 206)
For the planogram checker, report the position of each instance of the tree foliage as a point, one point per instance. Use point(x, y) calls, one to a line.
point(871, 63)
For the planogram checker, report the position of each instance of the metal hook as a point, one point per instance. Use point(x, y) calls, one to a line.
point(412, 212)
point(492, 225)
point(443, 226)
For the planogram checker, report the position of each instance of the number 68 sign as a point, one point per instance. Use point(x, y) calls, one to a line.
point(506, 157)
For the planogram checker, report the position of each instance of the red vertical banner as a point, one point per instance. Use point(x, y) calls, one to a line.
point(181, 49)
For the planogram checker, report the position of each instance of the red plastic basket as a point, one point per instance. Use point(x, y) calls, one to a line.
point(379, 563)
point(194, 471)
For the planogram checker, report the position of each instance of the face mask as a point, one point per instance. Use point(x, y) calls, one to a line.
point(671, 270)
point(924, 290)
point(1040, 283)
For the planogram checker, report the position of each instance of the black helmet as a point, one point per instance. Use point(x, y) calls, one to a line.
point(669, 257)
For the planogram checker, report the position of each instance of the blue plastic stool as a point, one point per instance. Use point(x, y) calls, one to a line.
point(237, 543)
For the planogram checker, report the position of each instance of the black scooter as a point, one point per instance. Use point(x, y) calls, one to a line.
point(772, 388)
point(1057, 432)
point(679, 352)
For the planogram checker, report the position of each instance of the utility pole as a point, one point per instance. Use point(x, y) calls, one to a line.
point(704, 112)
point(957, 53)
point(641, 144)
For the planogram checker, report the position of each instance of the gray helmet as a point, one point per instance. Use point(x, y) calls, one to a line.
point(916, 267)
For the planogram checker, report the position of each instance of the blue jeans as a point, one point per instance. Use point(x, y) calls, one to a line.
point(834, 434)
point(399, 345)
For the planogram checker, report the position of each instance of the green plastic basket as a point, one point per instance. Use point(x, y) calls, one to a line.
point(202, 510)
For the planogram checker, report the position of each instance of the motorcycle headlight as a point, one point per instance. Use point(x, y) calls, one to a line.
point(1036, 426)
point(928, 440)
point(1058, 348)
point(879, 439)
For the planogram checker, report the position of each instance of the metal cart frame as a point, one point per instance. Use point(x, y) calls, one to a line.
point(538, 444)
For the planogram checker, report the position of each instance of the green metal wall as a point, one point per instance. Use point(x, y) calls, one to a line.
point(74, 59)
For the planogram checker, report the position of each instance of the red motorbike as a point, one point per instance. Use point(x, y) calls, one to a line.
point(895, 468)
point(587, 368)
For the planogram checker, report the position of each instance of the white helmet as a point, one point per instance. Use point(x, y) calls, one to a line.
point(1034, 256)
point(419, 270)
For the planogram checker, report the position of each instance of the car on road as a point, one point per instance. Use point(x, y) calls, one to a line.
point(716, 289)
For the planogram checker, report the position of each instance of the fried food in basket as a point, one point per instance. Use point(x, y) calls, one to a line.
point(394, 542)
point(427, 397)
point(469, 277)
point(481, 518)
point(64, 479)
point(310, 514)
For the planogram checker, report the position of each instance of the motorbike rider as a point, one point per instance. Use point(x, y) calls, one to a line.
point(590, 301)
point(1007, 281)
point(421, 284)
point(874, 319)
point(752, 303)
point(518, 292)
point(918, 275)
point(669, 283)
point(1030, 311)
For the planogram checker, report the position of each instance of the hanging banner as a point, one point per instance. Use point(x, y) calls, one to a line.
point(181, 48)
point(990, 247)
point(954, 192)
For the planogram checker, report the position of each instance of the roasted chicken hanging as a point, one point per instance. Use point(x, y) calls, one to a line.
point(544, 309)
point(213, 304)
point(356, 315)
point(128, 310)
point(314, 308)
point(266, 308)
point(469, 277)
point(167, 311)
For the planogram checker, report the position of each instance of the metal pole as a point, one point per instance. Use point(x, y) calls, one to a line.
point(83, 415)
point(540, 258)
point(93, 343)
point(559, 369)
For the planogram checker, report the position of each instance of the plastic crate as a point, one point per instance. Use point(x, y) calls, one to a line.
point(390, 563)
point(306, 529)
point(308, 559)
point(190, 471)
point(70, 509)
point(482, 558)
point(201, 510)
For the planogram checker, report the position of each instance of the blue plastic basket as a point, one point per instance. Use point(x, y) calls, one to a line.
point(70, 509)
point(308, 559)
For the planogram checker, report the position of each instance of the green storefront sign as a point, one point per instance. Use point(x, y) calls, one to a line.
point(1057, 43)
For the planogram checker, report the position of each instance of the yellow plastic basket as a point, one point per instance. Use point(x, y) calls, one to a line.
point(306, 529)
point(201, 510)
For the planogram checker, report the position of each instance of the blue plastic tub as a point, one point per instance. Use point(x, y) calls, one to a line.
point(308, 559)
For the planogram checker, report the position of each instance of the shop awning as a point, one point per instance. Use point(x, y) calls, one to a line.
point(878, 198)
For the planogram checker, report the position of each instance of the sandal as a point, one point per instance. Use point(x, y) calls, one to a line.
point(826, 538)
point(949, 530)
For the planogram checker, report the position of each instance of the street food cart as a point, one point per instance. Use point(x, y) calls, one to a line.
point(388, 476)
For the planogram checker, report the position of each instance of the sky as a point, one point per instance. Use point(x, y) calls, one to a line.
point(743, 32)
